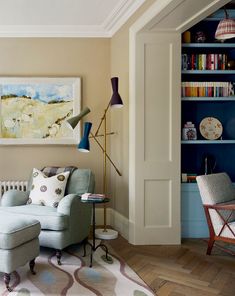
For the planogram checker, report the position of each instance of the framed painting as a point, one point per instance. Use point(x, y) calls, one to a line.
point(35, 110)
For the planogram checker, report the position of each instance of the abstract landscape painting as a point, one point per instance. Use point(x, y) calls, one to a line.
point(35, 110)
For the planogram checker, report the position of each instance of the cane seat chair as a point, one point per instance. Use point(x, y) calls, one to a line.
point(218, 198)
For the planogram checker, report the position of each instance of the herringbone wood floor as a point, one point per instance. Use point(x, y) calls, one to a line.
point(180, 270)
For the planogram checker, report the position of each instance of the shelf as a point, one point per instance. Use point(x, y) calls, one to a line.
point(191, 186)
point(208, 45)
point(208, 99)
point(208, 71)
point(219, 14)
point(192, 142)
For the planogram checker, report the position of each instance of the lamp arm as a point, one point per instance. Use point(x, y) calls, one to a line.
point(101, 121)
point(93, 136)
point(102, 135)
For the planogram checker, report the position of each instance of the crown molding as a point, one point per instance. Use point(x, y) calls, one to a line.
point(53, 31)
point(120, 15)
point(107, 29)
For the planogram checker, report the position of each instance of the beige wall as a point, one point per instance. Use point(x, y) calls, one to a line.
point(84, 57)
point(95, 60)
point(120, 118)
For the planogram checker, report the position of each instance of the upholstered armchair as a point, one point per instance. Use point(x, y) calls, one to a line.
point(218, 198)
point(67, 224)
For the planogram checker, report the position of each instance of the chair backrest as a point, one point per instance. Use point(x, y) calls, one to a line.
point(216, 188)
point(80, 181)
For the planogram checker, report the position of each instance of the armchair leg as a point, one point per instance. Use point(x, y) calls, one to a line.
point(31, 266)
point(58, 256)
point(7, 278)
point(210, 245)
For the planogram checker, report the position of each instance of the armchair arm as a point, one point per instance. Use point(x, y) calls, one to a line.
point(65, 204)
point(228, 207)
point(79, 214)
point(13, 198)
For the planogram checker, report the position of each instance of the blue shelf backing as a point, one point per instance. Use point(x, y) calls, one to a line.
point(193, 220)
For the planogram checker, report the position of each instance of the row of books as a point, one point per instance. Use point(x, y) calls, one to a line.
point(206, 89)
point(189, 178)
point(92, 197)
point(212, 61)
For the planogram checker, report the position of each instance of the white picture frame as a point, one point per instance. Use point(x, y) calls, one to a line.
point(27, 116)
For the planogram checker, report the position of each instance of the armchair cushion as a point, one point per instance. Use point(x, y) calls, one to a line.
point(47, 191)
point(48, 217)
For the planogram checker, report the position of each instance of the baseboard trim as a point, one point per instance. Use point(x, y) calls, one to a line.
point(114, 219)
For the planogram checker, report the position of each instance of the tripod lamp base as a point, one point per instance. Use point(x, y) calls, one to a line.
point(106, 234)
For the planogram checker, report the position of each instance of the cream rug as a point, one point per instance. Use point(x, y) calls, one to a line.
point(75, 277)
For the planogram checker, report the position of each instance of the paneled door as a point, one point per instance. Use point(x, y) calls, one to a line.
point(154, 211)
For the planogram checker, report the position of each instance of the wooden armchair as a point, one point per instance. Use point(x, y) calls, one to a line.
point(218, 198)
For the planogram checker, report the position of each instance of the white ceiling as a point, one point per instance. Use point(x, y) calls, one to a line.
point(64, 18)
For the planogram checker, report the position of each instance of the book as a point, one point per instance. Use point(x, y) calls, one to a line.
point(92, 196)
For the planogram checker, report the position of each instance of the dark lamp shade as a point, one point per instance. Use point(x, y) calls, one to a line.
point(73, 121)
point(116, 101)
point(225, 29)
point(84, 145)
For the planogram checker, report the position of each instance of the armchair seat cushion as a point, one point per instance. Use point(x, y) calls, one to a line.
point(48, 216)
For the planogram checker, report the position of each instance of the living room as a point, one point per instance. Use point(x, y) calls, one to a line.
point(41, 45)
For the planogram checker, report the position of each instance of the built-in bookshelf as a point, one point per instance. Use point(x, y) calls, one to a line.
point(208, 80)
point(208, 93)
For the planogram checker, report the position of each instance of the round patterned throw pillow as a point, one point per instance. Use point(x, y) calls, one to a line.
point(47, 191)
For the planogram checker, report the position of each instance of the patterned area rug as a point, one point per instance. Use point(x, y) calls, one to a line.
point(75, 277)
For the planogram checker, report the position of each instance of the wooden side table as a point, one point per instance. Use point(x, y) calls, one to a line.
point(93, 244)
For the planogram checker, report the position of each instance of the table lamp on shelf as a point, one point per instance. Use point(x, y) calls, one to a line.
point(226, 28)
point(84, 146)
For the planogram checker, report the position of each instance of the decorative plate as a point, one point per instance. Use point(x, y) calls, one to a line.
point(211, 128)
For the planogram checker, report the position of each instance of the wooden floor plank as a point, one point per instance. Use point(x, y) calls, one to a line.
point(183, 270)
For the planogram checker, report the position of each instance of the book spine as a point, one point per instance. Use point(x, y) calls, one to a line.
point(212, 66)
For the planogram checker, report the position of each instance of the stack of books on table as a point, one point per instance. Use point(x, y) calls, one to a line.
point(92, 197)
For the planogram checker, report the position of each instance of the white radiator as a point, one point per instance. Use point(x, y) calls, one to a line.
point(7, 185)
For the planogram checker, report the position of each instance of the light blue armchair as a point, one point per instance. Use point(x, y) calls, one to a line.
point(67, 224)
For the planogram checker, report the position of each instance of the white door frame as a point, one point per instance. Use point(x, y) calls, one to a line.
point(158, 10)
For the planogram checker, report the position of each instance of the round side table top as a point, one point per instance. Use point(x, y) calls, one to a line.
point(104, 200)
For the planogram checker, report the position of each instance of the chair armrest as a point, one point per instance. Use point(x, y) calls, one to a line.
point(65, 204)
point(13, 198)
point(79, 215)
point(228, 207)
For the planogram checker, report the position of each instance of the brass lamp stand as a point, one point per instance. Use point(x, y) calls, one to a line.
point(105, 233)
point(84, 146)
point(115, 102)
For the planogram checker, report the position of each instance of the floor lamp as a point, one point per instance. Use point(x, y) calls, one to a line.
point(84, 146)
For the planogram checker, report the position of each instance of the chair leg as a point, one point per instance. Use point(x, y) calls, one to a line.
point(58, 256)
point(210, 245)
point(31, 266)
point(7, 278)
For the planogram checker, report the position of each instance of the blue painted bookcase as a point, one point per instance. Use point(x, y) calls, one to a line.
point(193, 222)
point(195, 109)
